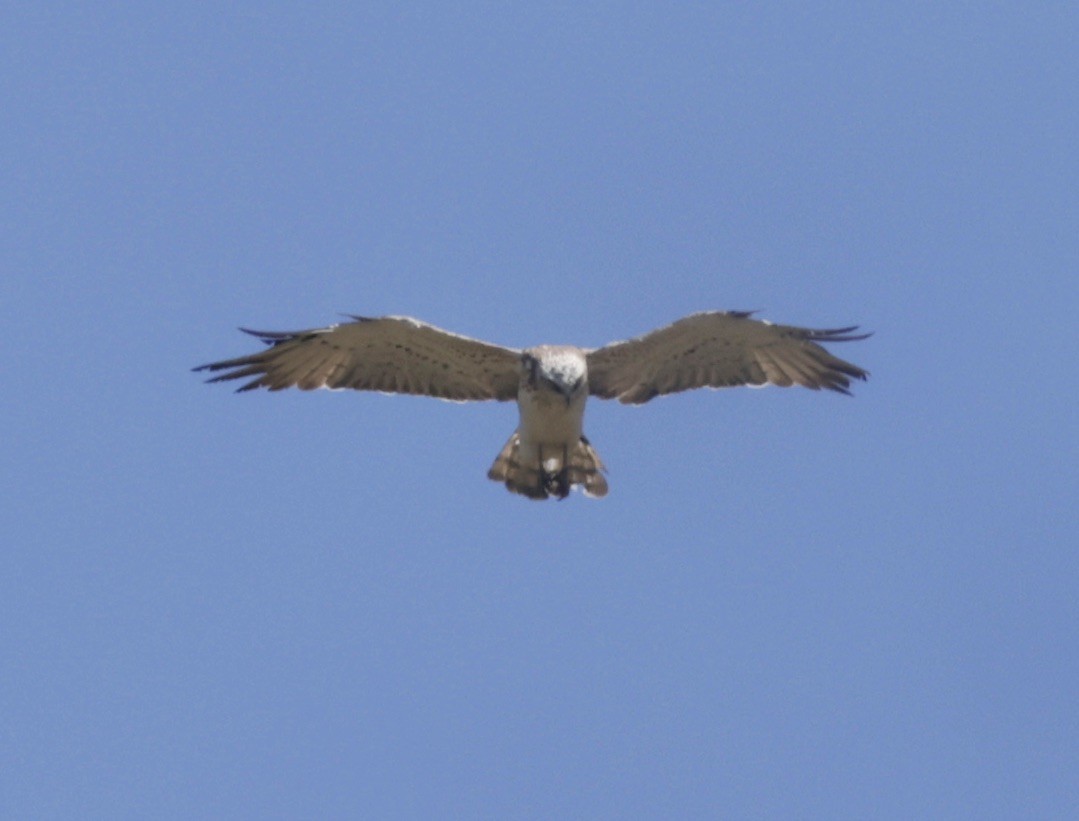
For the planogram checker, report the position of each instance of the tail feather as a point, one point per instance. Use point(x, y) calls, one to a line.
point(581, 466)
point(585, 468)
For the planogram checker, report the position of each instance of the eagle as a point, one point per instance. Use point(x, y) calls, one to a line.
point(548, 454)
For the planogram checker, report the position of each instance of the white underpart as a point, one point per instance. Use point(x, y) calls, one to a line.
point(549, 426)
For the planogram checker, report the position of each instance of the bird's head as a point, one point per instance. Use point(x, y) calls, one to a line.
point(562, 369)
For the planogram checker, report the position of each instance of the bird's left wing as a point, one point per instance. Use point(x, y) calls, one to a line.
point(719, 349)
point(392, 354)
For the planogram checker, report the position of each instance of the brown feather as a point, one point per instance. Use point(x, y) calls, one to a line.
point(391, 354)
point(720, 349)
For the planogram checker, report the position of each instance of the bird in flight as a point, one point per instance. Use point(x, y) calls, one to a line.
point(548, 454)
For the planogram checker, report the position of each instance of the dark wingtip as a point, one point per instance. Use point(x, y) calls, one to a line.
point(269, 337)
point(212, 366)
point(841, 334)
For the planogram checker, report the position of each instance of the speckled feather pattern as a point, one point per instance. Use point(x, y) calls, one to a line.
point(389, 354)
point(718, 350)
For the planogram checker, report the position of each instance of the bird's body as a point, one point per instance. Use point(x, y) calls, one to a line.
point(548, 454)
point(551, 419)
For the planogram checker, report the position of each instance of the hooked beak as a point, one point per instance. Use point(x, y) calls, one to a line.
point(568, 391)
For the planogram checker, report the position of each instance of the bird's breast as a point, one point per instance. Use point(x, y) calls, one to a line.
point(546, 417)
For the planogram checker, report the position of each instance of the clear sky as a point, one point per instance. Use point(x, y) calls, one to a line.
point(791, 604)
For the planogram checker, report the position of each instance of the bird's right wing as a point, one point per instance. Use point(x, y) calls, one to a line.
point(392, 354)
point(719, 349)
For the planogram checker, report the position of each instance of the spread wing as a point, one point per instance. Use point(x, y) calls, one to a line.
point(716, 350)
point(393, 354)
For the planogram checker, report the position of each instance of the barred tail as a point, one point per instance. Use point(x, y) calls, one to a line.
point(581, 466)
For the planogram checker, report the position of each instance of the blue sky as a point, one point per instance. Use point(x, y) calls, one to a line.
point(790, 604)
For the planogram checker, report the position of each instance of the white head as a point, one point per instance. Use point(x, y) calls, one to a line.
point(556, 367)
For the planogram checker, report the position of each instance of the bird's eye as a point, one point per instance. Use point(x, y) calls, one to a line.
point(531, 364)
